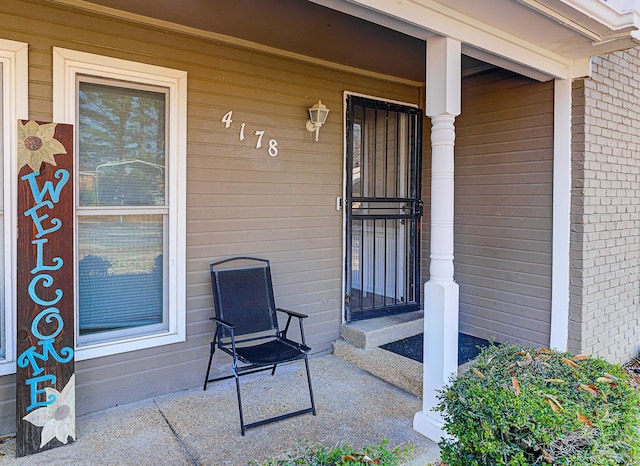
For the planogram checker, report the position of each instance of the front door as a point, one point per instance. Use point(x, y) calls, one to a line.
point(383, 208)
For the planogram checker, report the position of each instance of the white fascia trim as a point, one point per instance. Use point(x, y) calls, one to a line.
point(505, 63)
point(432, 17)
point(559, 333)
point(66, 65)
point(622, 5)
point(14, 57)
point(616, 22)
point(615, 15)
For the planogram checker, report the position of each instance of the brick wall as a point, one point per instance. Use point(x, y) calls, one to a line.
point(605, 211)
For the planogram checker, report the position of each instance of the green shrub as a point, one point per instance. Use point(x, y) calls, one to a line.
point(345, 455)
point(522, 406)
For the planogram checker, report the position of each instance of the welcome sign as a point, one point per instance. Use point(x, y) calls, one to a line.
point(45, 380)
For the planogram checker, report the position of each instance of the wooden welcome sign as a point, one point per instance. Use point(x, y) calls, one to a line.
point(45, 380)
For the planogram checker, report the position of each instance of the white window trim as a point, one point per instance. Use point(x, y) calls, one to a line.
point(67, 64)
point(14, 57)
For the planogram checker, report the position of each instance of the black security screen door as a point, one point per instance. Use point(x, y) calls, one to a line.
point(383, 208)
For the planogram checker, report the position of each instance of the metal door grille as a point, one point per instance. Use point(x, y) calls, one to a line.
point(383, 208)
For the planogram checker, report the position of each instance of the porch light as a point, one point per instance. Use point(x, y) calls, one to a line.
point(317, 116)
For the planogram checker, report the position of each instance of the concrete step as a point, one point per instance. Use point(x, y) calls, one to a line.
point(360, 346)
point(371, 333)
point(397, 370)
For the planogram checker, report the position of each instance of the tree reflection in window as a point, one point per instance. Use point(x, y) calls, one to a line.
point(122, 142)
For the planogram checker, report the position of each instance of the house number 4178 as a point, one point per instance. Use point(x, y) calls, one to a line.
point(227, 119)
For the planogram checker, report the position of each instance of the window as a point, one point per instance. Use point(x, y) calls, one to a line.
point(130, 139)
point(13, 105)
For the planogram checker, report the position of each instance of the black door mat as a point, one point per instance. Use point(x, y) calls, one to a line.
point(412, 347)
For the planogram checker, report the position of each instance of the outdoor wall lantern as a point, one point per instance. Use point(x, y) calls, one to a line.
point(317, 116)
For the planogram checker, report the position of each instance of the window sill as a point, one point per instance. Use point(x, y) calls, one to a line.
point(7, 367)
point(97, 350)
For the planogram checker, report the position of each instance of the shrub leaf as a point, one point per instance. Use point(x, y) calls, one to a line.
point(553, 402)
point(591, 389)
point(516, 386)
point(582, 418)
point(547, 457)
point(571, 363)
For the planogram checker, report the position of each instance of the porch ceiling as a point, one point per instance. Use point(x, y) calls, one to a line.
point(296, 26)
point(388, 36)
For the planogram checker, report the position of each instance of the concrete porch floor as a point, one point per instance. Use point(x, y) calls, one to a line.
point(195, 427)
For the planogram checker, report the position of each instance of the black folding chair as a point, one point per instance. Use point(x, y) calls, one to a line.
point(247, 326)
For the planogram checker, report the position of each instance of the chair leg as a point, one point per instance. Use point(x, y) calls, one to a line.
point(244, 427)
point(235, 373)
point(211, 351)
point(273, 371)
point(313, 403)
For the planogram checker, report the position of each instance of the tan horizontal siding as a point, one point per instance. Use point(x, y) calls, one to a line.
point(503, 208)
point(240, 201)
point(7, 403)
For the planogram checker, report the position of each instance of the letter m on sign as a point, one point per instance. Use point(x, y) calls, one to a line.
point(45, 380)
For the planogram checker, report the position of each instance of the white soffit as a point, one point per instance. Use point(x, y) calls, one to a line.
point(542, 39)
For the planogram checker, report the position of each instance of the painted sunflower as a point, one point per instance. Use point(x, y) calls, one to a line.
point(36, 144)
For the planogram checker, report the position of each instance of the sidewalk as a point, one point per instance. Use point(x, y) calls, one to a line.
point(195, 427)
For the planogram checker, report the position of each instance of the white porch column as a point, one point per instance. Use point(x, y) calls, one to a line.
point(561, 214)
point(441, 292)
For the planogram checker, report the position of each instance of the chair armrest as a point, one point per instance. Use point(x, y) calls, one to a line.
point(222, 322)
point(292, 313)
